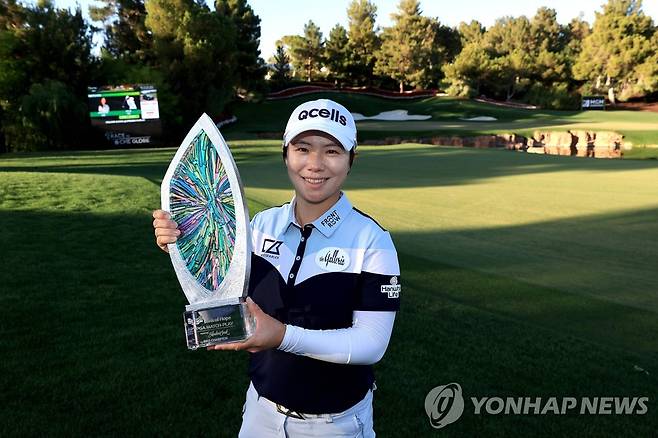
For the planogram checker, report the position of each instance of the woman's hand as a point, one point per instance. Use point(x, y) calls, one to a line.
point(166, 230)
point(269, 333)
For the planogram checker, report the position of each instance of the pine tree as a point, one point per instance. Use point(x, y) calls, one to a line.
point(195, 49)
point(306, 52)
point(250, 66)
point(126, 36)
point(280, 67)
point(313, 49)
point(45, 65)
point(545, 32)
point(337, 54)
point(293, 46)
point(363, 42)
point(443, 49)
point(470, 32)
point(620, 42)
point(468, 74)
point(575, 33)
point(406, 46)
point(516, 58)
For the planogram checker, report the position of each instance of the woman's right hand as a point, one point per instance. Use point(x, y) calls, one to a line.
point(166, 230)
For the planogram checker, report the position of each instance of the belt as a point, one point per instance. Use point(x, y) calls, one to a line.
point(296, 414)
point(291, 412)
point(288, 412)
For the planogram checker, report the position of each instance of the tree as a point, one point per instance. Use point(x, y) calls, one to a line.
point(42, 49)
point(280, 67)
point(620, 42)
point(509, 34)
point(337, 53)
point(468, 73)
point(444, 49)
point(529, 59)
point(306, 52)
point(126, 35)
point(550, 70)
point(195, 50)
point(363, 42)
point(470, 32)
point(250, 66)
point(517, 58)
point(545, 32)
point(312, 49)
point(647, 72)
point(449, 40)
point(49, 113)
point(575, 33)
point(293, 46)
point(406, 46)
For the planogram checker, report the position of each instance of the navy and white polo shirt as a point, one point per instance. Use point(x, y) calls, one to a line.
point(315, 277)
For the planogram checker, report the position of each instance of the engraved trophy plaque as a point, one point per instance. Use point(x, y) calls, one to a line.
point(212, 256)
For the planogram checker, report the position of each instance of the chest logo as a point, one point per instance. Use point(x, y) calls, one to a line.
point(271, 247)
point(332, 259)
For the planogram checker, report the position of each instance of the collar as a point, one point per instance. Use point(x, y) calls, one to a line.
point(328, 221)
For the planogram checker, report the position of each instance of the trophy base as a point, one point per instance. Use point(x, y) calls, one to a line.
point(214, 323)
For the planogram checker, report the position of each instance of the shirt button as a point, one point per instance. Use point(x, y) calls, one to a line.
point(303, 239)
point(297, 258)
point(292, 275)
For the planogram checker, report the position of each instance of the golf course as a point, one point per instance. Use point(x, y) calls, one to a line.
point(450, 116)
point(522, 276)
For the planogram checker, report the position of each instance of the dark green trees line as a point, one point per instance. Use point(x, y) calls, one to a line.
point(536, 60)
point(203, 58)
point(200, 59)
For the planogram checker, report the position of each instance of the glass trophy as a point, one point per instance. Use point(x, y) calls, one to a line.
point(203, 193)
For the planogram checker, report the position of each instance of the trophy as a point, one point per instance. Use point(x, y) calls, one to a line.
point(212, 256)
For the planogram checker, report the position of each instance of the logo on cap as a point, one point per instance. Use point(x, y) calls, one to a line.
point(333, 115)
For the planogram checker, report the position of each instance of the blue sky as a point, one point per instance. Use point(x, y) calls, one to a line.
point(285, 17)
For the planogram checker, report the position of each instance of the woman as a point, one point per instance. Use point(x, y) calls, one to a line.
point(103, 107)
point(324, 289)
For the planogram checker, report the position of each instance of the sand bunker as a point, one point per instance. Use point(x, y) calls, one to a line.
point(480, 119)
point(395, 115)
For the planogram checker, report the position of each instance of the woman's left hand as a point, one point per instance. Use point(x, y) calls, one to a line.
point(268, 334)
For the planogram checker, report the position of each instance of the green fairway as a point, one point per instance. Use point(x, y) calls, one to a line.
point(640, 128)
point(523, 276)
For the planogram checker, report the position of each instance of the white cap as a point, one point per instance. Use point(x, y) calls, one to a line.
point(322, 115)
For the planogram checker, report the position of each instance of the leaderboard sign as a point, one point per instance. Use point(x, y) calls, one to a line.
point(128, 114)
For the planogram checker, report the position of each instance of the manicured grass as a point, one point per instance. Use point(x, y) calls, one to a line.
point(640, 128)
point(522, 276)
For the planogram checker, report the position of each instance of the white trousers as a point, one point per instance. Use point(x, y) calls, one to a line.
point(260, 419)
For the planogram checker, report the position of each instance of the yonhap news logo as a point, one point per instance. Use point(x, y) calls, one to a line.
point(445, 405)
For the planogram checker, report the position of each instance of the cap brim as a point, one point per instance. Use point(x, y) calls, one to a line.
point(344, 141)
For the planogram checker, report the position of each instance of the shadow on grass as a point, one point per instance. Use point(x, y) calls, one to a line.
point(390, 167)
point(91, 339)
point(604, 256)
point(92, 336)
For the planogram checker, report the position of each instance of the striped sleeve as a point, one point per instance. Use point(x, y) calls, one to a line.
point(379, 281)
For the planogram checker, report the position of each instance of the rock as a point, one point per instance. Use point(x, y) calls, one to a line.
point(595, 144)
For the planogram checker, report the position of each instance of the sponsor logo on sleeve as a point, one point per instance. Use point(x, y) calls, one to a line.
point(332, 259)
point(393, 289)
